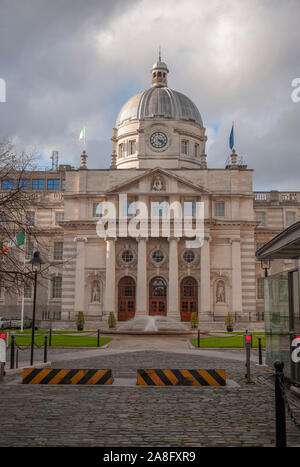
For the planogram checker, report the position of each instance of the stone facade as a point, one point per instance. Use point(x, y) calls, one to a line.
point(158, 156)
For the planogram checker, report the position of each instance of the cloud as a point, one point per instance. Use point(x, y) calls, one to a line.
point(70, 64)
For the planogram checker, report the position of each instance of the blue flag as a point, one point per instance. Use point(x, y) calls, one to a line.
point(231, 139)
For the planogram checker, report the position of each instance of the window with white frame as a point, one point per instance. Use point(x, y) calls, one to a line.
point(30, 218)
point(132, 146)
point(28, 291)
point(290, 218)
point(188, 208)
point(56, 287)
point(121, 150)
point(28, 250)
point(97, 210)
point(260, 288)
point(184, 147)
point(58, 251)
point(261, 218)
point(59, 217)
point(220, 209)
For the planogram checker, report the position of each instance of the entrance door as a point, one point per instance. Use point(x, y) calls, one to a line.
point(158, 297)
point(188, 298)
point(126, 305)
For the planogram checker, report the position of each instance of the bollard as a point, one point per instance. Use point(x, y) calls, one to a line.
point(198, 337)
point(279, 406)
point(45, 349)
point(98, 338)
point(248, 344)
point(259, 352)
point(50, 337)
point(12, 352)
point(17, 358)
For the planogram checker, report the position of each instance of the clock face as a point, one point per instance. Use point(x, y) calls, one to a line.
point(158, 139)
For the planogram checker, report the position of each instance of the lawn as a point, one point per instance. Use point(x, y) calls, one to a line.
point(60, 340)
point(221, 342)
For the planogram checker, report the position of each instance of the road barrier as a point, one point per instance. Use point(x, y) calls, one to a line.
point(66, 376)
point(181, 377)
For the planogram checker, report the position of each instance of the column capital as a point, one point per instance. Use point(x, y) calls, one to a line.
point(207, 238)
point(235, 240)
point(108, 239)
point(141, 238)
point(173, 238)
point(80, 238)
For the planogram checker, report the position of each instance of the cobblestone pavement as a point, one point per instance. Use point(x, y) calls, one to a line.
point(143, 416)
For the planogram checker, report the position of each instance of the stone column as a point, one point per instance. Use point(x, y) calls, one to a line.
point(110, 277)
point(205, 308)
point(236, 276)
point(173, 292)
point(141, 285)
point(79, 275)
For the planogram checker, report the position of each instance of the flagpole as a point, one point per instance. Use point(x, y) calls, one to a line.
point(23, 300)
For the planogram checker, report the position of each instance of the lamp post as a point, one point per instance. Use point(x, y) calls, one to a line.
point(36, 263)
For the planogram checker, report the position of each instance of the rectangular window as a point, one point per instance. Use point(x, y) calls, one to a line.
point(290, 218)
point(7, 184)
point(30, 218)
point(53, 184)
point(128, 209)
point(132, 147)
point(188, 208)
point(63, 184)
point(220, 209)
point(121, 150)
point(184, 147)
point(24, 184)
point(58, 251)
point(59, 217)
point(28, 250)
point(157, 208)
point(28, 291)
point(38, 184)
point(196, 150)
point(56, 287)
point(261, 217)
point(260, 288)
point(97, 210)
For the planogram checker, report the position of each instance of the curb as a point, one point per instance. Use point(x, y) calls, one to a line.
point(16, 371)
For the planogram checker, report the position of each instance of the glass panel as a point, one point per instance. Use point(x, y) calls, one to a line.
point(153, 307)
point(130, 307)
point(277, 320)
point(161, 307)
point(122, 307)
point(193, 308)
point(185, 307)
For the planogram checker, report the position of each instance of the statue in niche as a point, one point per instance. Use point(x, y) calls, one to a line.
point(158, 183)
point(220, 292)
point(95, 292)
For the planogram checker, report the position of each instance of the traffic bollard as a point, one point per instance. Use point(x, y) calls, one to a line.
point(98, 338)
point(198, 337)
point(279, 405)
point(12, 352)
point(17, 358)
point(50, 337)
point(259, 352)
point(45, 349)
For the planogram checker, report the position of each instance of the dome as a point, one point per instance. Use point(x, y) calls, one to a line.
point(159, 101)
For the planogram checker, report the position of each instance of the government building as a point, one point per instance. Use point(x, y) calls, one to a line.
point(158, 157)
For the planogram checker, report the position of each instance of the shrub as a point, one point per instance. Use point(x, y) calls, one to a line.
point(80, 320)
point(111, 320)
point(194, 320)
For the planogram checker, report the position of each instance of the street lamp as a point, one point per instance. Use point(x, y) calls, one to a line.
point(36, 264)
point(266, 264)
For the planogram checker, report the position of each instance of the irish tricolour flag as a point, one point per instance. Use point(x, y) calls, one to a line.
point(82, 135)
point(18, 240)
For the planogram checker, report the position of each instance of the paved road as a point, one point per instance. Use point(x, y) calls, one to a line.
point(142, 416)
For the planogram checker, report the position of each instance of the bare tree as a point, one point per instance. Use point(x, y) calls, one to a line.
point(15, 205)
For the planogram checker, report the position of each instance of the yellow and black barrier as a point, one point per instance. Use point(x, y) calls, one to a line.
point(66, 376)
point(181, 377)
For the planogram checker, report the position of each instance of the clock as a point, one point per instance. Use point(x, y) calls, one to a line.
point(158, 139)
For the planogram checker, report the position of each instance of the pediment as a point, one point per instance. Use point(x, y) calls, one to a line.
point(158, 181)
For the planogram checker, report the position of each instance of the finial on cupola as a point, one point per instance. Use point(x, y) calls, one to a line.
point(83, 158)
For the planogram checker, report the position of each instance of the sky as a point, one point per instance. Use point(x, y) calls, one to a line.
point(70, 64)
